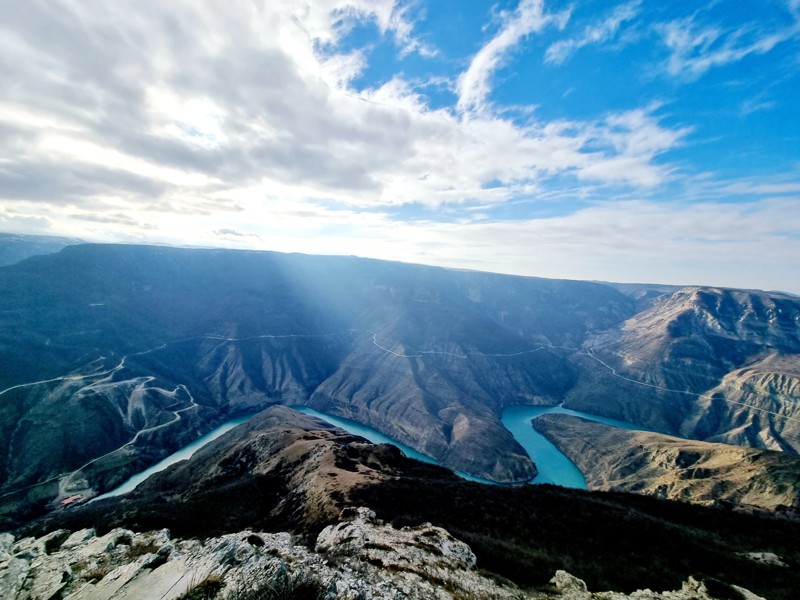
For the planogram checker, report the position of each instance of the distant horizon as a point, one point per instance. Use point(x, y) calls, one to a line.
point(617, 140)
point(78, 241)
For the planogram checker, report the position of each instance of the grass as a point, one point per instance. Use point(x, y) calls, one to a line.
point(207, 589)
point(281, 585)
point(616, 542)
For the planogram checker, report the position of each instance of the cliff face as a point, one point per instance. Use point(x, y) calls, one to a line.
point(359, 557)
point(287, 472)
point(703, 363)
point(676, 469)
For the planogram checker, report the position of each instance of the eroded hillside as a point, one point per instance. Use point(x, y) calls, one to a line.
point(114, 356)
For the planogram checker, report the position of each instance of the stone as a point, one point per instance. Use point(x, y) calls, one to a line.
point(570, 587)
point(13, 574)
point(359, 557)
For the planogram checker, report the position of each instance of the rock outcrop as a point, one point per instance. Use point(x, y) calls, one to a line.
point(115, 356)
point(569, 587)
point(674, 468)
point(356, 559)
point(705, 363)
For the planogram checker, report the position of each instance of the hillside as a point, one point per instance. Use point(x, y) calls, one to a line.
point(668, 467)
point(284, 471)
point(704, 363)
point(113, 356)
point(15, 247)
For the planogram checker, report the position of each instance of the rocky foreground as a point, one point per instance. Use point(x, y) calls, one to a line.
point(360, 557)
point(288, 486)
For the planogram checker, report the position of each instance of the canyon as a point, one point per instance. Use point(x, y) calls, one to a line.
point(114, 356)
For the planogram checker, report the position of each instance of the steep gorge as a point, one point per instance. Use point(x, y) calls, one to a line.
point(654, 464)
point(114, 356)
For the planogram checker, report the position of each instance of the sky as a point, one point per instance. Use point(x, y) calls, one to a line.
point(633, 141)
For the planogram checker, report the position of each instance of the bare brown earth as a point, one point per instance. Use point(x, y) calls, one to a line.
point(285, 471)
point(711, 364)
point(668, 467)
point(113, 357)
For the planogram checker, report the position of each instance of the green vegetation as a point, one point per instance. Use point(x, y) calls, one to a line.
point(207, 589)
point(612, 541)
point(281, 585)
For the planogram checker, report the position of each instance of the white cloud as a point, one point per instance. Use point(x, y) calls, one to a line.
point(474, 84)
point(231, 123)
point(743, 245)
point(761, 188)
point(757, 104)
point(195, 101)
point(695, 48)
point(596, 33)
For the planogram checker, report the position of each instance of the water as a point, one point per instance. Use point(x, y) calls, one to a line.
point(183, 454)
point(552, 465)
point(376, 437)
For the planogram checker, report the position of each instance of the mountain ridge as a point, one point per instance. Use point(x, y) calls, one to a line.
point(287, 472)
point(667, 467)
point(148, 347)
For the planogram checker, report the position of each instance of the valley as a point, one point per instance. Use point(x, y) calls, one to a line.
point(117, 356)
point(284, 472)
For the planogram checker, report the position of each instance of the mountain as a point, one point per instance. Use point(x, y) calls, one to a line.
point(113, 356)
point(353, 503)
point(668, 467)
point(705, 363)
point(15, 247)
point(110, 343)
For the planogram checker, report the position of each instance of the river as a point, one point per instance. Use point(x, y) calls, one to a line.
point(552, 465)
point(184, 453)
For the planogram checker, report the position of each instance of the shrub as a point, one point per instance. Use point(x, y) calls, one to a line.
point(282, 586)
point(205, 590)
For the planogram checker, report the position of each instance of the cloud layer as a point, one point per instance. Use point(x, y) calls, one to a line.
point(256, 125)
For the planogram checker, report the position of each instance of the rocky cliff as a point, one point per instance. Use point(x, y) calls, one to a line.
point(703, 363)
point(359, 557)
point(674, 468)
point(114, 356)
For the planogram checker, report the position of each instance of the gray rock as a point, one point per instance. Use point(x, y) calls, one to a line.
point(570, 587)
point(357, 558)
point(13, 573)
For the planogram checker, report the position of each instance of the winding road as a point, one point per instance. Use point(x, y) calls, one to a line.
point(69, 479)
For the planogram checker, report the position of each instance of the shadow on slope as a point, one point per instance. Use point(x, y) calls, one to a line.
point(287, 471)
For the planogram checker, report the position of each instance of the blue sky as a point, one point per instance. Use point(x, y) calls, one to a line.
point(624, 141)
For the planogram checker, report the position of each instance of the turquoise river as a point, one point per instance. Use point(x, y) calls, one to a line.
point(552, 465)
